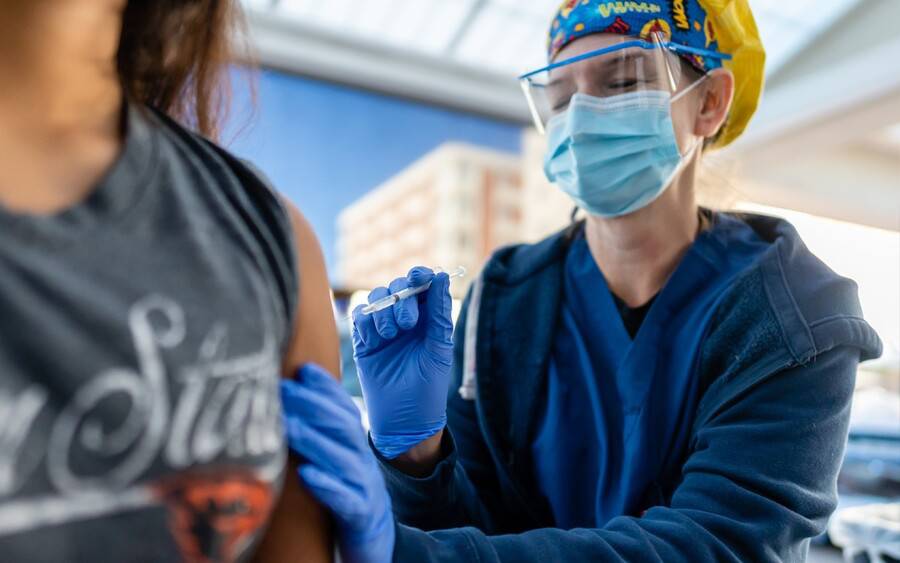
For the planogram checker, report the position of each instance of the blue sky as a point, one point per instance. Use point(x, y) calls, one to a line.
point(325, 145)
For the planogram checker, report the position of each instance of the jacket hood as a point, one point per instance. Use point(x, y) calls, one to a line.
point(816, 293)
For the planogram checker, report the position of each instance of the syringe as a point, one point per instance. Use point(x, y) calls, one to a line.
point(390, 300)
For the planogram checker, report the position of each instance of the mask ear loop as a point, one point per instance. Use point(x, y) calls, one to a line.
point(690, 152)
point(684, 92)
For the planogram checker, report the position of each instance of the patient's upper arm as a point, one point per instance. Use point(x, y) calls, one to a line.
point(300, 529)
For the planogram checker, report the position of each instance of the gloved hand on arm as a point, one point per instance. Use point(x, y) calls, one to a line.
point(403, 356)
point(323, 427)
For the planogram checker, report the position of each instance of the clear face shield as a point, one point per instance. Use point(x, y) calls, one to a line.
point(642, 69)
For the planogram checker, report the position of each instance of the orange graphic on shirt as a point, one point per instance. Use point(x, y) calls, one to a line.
point(214, 516)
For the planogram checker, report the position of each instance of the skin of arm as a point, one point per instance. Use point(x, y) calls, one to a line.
point(300, 529)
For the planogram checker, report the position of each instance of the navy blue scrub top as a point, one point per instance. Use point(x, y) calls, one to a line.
point(619, 408)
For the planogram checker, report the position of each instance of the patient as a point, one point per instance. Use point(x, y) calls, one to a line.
point(152, 290)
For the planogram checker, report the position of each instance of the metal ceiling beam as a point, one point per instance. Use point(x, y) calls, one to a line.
point(809, 146)
point(310, 51)
point(854, 184)
point(838, 88)
point(848, 101)
point(809, 40)
point(475, 10)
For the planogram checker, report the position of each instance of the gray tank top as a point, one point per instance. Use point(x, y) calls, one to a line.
point(141, 338)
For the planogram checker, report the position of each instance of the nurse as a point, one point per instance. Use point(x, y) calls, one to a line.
point(658, 382)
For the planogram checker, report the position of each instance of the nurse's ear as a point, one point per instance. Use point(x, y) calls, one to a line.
point(717, 94)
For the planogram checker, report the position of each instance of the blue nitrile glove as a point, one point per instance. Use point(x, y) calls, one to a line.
point(403, 356)
point(323, 427)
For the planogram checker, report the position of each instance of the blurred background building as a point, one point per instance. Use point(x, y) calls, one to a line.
point(452, 208)
point(398, 127)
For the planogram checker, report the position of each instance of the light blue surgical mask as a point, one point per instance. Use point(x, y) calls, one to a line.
point(615, 155)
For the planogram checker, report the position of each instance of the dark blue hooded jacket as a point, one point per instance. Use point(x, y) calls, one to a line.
point(777, 371)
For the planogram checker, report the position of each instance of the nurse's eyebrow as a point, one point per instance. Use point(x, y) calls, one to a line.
point(625, 58)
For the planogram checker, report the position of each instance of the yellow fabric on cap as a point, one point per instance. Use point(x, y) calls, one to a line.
point(735, 29)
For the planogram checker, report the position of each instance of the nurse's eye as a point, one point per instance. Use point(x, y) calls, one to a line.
point(623, 84)
point(560, 106)
point(558, 97)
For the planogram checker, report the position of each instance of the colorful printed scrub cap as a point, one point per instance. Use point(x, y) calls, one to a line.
point(723, 26)
point(680, 21)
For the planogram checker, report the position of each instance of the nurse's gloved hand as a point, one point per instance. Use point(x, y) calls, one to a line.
point(323, 427)
point(403, 356)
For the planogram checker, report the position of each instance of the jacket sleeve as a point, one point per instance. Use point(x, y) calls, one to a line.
point(462, 490)
point(759, 482)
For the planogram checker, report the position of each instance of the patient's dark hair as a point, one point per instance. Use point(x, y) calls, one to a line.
point(174, 56)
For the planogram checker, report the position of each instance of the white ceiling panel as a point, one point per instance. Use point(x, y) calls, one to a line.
point(788, 26)
point(509, 36)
